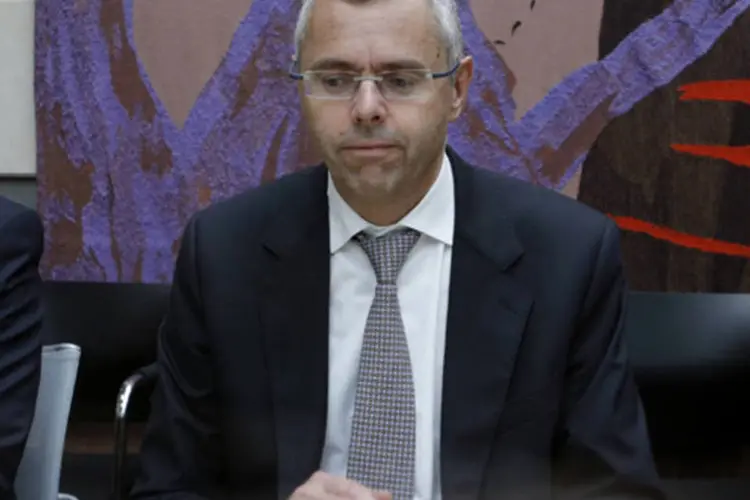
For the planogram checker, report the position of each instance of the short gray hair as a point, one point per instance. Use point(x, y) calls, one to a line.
point(444, 11)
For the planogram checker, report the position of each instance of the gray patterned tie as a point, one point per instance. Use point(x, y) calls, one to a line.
point(382, 446)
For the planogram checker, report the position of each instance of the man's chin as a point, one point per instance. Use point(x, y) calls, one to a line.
point(376, 174)
point(374, 182)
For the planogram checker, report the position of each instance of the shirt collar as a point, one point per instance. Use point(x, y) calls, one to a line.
point(433, 216)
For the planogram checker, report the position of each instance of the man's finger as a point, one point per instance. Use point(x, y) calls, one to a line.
point(346, 488)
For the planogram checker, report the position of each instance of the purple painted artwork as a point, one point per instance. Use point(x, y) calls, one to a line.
point(125, 158)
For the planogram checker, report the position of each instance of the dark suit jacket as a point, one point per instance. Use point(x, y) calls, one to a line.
point(21, 245)
point(537, 389)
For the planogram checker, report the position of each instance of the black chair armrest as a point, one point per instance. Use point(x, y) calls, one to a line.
point(142, 378)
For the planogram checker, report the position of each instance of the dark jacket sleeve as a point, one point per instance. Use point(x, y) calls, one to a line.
point(179, 456)
point(21, 246)
point(605, 452)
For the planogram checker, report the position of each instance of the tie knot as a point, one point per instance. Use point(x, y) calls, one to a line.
point(387, 253)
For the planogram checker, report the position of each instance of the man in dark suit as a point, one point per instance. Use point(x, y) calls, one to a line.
point(21, 245)
point(396, 323)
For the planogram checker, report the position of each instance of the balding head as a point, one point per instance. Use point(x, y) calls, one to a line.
point(444, 13)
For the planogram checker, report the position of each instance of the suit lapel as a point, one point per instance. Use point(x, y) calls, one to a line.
point(295, 325)
point(487, 315)
point(486, 318)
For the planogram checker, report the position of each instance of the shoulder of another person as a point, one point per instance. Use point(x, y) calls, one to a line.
point(10, 210)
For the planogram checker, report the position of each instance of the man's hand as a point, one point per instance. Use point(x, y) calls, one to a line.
point(323, 486)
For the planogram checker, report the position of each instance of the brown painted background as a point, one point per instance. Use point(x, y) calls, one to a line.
point(148, 110)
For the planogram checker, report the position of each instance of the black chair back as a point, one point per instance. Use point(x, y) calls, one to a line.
point(691, 356)
point(116, 326)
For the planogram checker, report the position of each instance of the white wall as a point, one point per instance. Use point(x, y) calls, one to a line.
point(17, 120)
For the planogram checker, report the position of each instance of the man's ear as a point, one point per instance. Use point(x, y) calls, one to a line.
point(461, 83)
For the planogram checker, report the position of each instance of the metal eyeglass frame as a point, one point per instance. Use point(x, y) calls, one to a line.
point(373, 78)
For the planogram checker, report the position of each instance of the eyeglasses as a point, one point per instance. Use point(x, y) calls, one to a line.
point(403, 84)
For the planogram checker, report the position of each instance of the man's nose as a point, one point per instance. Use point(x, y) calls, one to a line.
point(369, 106)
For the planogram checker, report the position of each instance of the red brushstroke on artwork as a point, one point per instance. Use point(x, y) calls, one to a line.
point(709, 245)
point(722, 90)
point(738, 155)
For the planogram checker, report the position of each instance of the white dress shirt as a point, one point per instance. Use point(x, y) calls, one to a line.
point(423, 295)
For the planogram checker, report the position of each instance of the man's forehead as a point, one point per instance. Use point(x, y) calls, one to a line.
point(379, 28)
